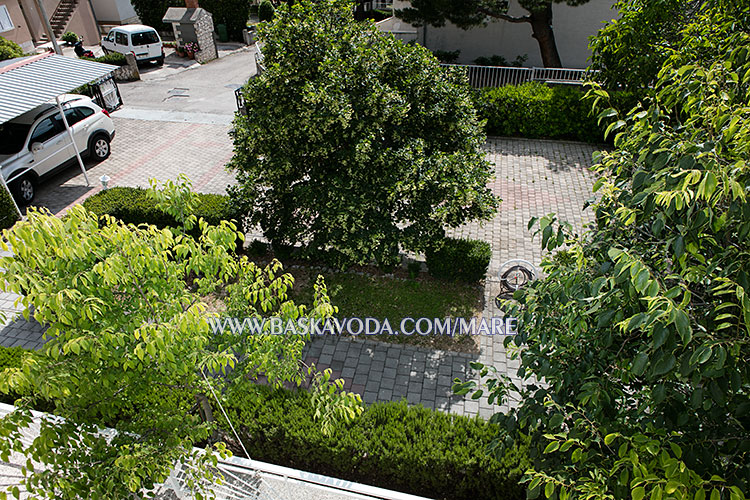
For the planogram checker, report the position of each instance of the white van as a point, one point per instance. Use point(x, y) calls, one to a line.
point(142, 41)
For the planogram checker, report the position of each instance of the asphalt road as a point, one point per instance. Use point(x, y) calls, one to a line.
point(206, 89)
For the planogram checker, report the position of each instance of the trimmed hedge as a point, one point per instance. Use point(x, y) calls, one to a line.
point(538, 111)
point(134, 206)
point(113, 58)
point(391, 445)
point(459, 259)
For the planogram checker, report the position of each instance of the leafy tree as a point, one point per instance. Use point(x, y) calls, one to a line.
point(151, 12)
point(640, 328)
point(468, 14)
point(354, 143)
point(630, 50)
point(130, 347)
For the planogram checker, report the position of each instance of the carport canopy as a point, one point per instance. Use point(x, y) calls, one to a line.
point(29, 82)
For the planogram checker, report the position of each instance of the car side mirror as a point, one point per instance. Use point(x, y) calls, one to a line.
point(36, 147)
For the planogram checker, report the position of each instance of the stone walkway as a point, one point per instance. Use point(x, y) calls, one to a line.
point(533, 178)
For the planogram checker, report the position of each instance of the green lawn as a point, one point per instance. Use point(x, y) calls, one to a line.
point(384, 297)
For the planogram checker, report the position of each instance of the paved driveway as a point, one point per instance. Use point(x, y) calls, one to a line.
point(180, 124)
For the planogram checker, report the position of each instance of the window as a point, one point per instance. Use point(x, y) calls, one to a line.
point(5, 23)
point(145, 37)
point(121, 38)
point(46, 130)
point(111, 36)
point(72, 116)
point(12, 137)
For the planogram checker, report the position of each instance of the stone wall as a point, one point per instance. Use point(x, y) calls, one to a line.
point(129, 72)
point(204, 31)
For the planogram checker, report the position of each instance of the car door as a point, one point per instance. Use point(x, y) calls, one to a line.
point(122, 42)
point(49, 145)
point(80, 126)
point(146, 44)
point(109, 41)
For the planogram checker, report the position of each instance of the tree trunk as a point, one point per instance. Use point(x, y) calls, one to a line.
point(541, 25)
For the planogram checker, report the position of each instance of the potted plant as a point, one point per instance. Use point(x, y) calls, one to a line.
point(69, 38)
point(191, 48)
point(180, 50)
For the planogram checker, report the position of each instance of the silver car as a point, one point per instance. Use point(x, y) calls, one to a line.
point(36, 145)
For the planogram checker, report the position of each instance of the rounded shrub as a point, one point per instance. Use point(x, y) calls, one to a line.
point(69, 37)
point(462, 259)
point(8, 213)
point(9, 49)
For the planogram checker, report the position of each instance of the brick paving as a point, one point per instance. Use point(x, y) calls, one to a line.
point(532, 177)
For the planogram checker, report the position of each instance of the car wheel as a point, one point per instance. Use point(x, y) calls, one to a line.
point(99, 148)
point(104, 49)
point(160, 61)
point(25, 190)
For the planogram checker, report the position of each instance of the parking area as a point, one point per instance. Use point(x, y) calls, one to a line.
point(144, 149)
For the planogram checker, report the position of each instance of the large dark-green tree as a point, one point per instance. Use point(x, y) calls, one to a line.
point(471, 13)
point(629, 51)
point(354, 143)
point(640, 328)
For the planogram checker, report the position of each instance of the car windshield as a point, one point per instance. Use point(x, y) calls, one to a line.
point(144, 38)
point(12, 137)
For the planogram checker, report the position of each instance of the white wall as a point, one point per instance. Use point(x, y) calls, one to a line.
point(572, 26)
point(114, 11)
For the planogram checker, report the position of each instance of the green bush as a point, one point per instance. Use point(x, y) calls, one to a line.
point(536, 110)
point(8, 213)
point(69, 37)
point(266, 11)
point(9, 49)
point(134, 206)
point(10, 357)
point(391, 445)
point(113, 58)
point(459, 259)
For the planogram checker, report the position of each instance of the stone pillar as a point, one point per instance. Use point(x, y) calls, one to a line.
point(204, 31)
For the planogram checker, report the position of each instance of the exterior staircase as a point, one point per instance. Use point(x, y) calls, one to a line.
point(62, 15)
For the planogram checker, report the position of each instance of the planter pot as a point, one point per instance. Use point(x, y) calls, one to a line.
point(191, 55)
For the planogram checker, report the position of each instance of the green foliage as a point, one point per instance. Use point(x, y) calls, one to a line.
point(113, 58)
point(630, 50)
point(447, 56)
point(356, 145)
point(151, 12)
point(69, 37)
point(266, 11)
point(135, 206)
point(127, 322)
point(257, 248)
point(10, 357)
point(640, 326)
point(232, 13)
point(459, 259)
point(9, 49)
point(414, 269)
point(497, 60)
point(536, 110)
point(391, 445)
point(468, 14)
point(8, 212)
